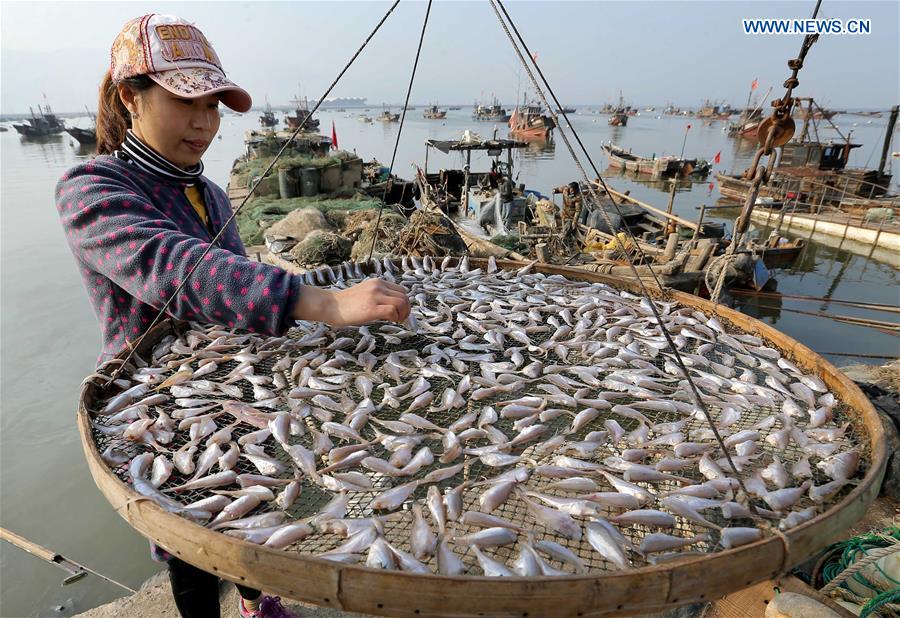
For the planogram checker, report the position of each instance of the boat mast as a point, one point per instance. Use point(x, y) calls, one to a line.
point(887, 140)
point(805, 129)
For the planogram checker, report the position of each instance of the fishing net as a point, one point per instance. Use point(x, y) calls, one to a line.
point(364, 231)
point(261, 212)
point(298, 223)
point(321, 247)
point(415, 352)
point(430, 233)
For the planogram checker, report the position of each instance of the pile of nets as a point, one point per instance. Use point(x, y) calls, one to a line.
point(430, 233)
point(362, 230)
point(321, 247)
point(261, 212)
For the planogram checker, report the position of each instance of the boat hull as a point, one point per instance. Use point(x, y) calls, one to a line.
point(85, 137)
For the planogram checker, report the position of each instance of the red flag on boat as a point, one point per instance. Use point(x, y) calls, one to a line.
point(689, 127)
point(718, 158)
point(334, 142)
point(712, 186)
point(755, 84)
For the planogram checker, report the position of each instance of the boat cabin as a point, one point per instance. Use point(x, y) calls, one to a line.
point(474, 194)
point(821, 155)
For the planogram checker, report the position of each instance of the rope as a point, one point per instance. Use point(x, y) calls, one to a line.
point(724, 260)
point(645, 293)
point(885, 599)
point(855, 598)
point(412, 77)
point(855, 546)
point(133, 347)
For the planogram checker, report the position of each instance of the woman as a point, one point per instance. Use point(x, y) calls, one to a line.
point(140, 215)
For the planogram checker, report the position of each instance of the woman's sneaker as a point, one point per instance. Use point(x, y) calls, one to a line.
point(269, 607)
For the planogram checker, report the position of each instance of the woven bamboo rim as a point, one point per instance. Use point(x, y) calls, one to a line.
point(394, 593)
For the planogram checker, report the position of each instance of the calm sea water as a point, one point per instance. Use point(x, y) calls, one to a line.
point(50, 336)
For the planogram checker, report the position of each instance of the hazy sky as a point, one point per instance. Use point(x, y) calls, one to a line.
point(654, 51)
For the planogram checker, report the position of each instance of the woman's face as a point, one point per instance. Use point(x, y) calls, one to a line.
point(179, 129)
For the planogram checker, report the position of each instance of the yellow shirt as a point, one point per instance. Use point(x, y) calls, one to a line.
point(195, 197)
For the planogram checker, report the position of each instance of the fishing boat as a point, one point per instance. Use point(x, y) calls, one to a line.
point(565, 110)
point(751, 117)
point(619, 116)
point(466, 193)
point(45, 124)
point(365, 119)
point(653, 166)
point(490, 113)
point(387, 116)
point(714, 111)
point(85, 137)
point(747, 126)
point(812, 173)
point(433, 113)
point(267, 118)
point(778, 252)
point(302, 111)
point(528, 122)
point(819, 114)
point(819, 177)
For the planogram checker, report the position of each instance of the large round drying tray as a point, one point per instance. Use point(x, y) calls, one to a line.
point(693, 578)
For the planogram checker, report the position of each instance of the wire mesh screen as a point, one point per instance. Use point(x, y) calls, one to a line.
point(555, 346)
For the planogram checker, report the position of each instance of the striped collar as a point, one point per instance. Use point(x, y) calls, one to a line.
point(137, 152)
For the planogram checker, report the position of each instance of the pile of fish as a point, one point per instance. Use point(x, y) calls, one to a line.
point(517, 424)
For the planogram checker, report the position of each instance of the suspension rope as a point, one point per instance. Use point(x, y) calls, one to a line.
point(133, 346)
point(412, 78)
point(665, 332)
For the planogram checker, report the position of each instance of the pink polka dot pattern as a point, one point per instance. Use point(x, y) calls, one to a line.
point(135, 237)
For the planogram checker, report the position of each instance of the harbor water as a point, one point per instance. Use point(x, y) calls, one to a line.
point(50, 335)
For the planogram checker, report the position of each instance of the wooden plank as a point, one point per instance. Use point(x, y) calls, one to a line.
point(391, 593)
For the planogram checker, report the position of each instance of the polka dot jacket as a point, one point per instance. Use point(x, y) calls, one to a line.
point(135, 236)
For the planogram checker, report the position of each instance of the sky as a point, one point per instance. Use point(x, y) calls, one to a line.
point(654, 52)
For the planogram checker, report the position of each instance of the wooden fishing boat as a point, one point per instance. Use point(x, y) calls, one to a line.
point(815, 173)
point(45, 124)
point(267, 118)
point(387, 116)
point(779, 256)
point(528, 122)
point(433, 113)
point(85, 137)
point(468, 193)
point(493, 112)
point(302, 111)
point(618, 119)
point(654, 167)
point(692, 577)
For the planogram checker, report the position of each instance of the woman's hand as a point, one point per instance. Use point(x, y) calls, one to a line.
point(373, 299)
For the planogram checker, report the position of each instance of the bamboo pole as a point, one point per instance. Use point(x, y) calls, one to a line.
point(836, 301)
point(699, 225)
point(890, 327)
point(662, 213)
